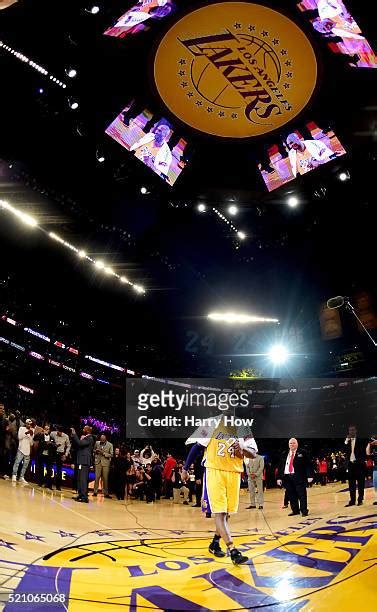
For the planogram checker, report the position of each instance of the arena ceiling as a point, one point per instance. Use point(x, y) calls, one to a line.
point(190, 263)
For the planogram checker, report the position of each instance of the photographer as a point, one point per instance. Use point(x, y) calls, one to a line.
point(179, 485)
point(371, 451)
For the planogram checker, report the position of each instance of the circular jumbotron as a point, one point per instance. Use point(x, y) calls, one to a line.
point(235, 69)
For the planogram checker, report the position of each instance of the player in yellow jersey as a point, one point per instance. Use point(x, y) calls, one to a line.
point(223, 462)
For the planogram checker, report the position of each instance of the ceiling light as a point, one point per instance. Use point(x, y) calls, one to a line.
point(292, 201)
point(233, 210)
point(241, 235)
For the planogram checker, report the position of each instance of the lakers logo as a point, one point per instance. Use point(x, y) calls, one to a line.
point(235, 69)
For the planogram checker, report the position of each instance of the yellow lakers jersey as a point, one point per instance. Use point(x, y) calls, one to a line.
point(219, 454)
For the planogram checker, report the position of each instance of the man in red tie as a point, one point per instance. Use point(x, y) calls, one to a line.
point(295, 471)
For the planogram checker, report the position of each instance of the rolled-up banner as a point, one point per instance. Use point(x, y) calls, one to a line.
point(331, 325)
point(365, 310)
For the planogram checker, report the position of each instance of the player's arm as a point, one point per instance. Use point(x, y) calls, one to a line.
point(191, 457)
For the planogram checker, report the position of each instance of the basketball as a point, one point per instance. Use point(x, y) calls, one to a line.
point(210, 83)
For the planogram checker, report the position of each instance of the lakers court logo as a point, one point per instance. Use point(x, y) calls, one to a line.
point(315, 564)
point(235, 69)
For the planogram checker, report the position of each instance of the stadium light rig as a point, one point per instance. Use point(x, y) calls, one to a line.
point(239, 233)
point(239, 318)
point(99, 264)
point(26, 60)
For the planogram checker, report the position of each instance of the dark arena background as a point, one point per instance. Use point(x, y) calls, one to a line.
point(188, 305)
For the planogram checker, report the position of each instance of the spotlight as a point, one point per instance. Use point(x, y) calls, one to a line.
point(343, 176)
point(278, 354)
point(201, 207)
point(71, 72)
point(94, 9)
point(73, 104)
point(143, 190)
point(241, 235)
point(99, 264)
point(82, 254)
point(123, 279)
point(109, 271)
point(41, 90)
point(292, 201)
point(233, 210)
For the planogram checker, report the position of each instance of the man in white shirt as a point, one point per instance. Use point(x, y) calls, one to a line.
point(305, 155)
point(153, 150)
point(25, 442)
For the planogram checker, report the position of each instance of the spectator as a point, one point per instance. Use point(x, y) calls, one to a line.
point(4, 426)
point(119, 464)
point(148, 484)
point(322, 471)
point(130, 475)
point(254, 469)
point(63, 447)
point(136, 458)
point(84, 446)
point(371, 451)
point(25, 437)
point(156, 476)
point(199, 471)
point(167, 472)
point(139, 485)
point(147, 455)
point(45, 455)
point(103, 453)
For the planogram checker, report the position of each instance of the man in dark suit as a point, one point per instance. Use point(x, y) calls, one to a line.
point(355, 450)
point(294, 472)
point(84, 459)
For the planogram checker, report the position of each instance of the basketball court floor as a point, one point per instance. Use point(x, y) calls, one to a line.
point(57, 554)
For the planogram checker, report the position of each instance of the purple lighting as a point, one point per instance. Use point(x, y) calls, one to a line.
point(100, 425)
